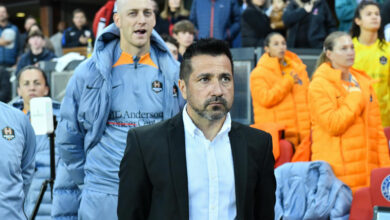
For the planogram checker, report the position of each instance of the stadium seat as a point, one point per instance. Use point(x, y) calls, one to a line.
point(282, 149)
point(377, 194)
point(387, 133)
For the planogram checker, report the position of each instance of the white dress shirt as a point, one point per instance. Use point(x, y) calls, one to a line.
point(210, 173)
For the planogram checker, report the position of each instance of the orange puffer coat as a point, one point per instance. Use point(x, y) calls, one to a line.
point(278, 99)
point(346, 126)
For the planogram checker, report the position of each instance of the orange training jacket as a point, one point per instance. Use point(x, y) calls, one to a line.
point(278, 99)
point(346, 126)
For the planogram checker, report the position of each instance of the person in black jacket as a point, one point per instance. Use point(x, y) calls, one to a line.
point(308, 22)
point(37, 51)
point(77, 35)
point(255, 24)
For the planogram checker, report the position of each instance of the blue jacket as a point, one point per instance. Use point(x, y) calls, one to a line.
point(310, 190)
point(8, 55)
point(42, 170)
point(226, 19)
point(345, 10)
point(26, 58)
point(17, 158)
point(86, 105)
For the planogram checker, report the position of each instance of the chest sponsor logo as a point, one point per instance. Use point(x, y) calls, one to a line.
point(72, 33)
point(383, 60)
point(133, 119)
point(157, 86)
point(8, 133)
point(385, 188)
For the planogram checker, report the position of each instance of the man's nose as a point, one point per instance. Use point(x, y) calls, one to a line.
point(217, 88)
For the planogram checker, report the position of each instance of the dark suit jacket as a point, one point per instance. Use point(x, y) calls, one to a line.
point(153, 173)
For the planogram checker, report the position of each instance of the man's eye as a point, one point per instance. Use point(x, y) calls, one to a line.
point(226, 79)
point(204, 79)
point(147, 13)
point(132, 13)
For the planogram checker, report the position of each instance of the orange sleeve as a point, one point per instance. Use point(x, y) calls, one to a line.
point(269, 95)
point(334, 119)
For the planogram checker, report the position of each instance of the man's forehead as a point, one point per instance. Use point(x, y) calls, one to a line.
point(135, 4)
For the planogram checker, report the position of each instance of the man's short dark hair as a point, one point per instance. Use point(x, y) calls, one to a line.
point(209, 46)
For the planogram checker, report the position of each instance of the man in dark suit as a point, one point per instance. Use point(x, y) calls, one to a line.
point(199, 164)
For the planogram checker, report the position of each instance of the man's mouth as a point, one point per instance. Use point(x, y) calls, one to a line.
point(140, 31)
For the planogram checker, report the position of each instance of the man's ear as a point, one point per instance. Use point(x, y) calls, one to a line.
point(183, 88)
point(116, 20)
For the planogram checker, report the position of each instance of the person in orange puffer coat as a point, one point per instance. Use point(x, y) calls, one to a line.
point(279, 86)
point(346, 123)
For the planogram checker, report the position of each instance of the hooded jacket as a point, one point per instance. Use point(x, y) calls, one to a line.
point(346, 126)
point(310, 190)
point(278, 99)
point(86, 105)
point(17, 159)
point(321, 22)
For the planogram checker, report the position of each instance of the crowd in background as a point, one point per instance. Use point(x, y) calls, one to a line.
point(345, 106)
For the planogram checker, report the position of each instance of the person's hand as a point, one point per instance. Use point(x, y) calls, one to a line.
point(4, 42)
point(308, 6)
point(83, 40)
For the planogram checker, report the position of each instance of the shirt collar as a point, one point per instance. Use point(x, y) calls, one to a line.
point(192, 130)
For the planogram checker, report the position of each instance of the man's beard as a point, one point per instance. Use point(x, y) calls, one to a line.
point(217, 112)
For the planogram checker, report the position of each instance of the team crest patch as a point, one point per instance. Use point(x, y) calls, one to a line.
point(157, 86)
point(385, 188)
point(8, 133)
point(383, 60)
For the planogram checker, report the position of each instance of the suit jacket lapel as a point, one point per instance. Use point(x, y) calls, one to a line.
point(239, 151)
point(178, 163)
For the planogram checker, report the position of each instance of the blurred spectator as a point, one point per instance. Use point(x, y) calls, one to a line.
point(308, 22)
point(218, 19)
point(77, 35)
point(9, 44)
point(56, 39)
point(184, 33)
point(346, 124)
point(344, 11)
point(255, 25)
point(373, 53)
point(277, 9)
point(173, 12)
point(162, 26)
point(385, 14)
point(30, 20)
point(172, 45)
point(32, 82)
point(16, 161)
point(48, 45)
point(103, 17)
point(279, 85)
point(37, 51)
